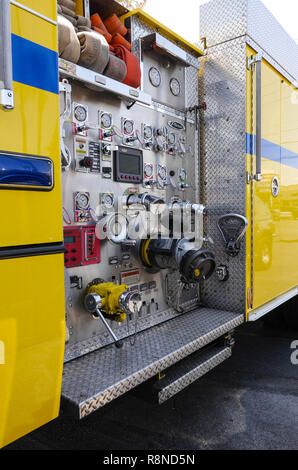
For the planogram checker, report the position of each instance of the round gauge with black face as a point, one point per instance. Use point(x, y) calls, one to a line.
point(154, 77)
point(82, 201)
point(128, 127)
point(80, 113)
point(106, 121)
point(175, 86)
point(148, 170)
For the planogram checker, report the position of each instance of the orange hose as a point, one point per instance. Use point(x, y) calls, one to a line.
point(107, 35)
point(134, 74)
point(96, 20)
point(97, 23)
point(114, 25)
point(118, 39)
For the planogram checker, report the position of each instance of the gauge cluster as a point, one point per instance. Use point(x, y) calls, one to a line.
point(160, 143)
point(123, 158)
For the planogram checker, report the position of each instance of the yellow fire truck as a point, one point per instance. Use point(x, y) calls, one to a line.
point(151, 195)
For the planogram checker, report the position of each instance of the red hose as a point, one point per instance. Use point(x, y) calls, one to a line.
point(133, 76)
point(117, 39)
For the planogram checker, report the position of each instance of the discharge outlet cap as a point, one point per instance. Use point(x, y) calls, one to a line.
point(130, 302)
point(197, 266)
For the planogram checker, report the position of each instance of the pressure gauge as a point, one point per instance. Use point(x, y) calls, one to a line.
point(107, 200)
point(148, 171)
point(175, 87)
point(128, 127)
point(80, 113)
point(106, 121)
point(154, 77)
point(162, 172)
point(147, 132)
point(171, 138)
point(82, 201)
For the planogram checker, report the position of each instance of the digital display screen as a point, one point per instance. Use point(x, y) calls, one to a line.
point(68, 240)
point(129, 164)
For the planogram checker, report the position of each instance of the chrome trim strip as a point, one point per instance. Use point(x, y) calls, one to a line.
point(261, 311)
point(29, 10)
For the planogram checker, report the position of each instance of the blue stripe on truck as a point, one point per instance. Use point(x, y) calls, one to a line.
point(34, 65)
point(273, 152)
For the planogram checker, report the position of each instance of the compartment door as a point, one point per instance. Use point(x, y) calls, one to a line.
point(30, 175)
point(267, 267)
point(289, 187)
point(32, 308)
point(32, 335)
point(264, 264)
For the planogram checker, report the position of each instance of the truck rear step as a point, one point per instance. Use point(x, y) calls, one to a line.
point(181, 375)
point(96, 379)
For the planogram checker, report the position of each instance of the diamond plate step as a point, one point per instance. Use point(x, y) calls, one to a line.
point(181, 375)
point(96, 379)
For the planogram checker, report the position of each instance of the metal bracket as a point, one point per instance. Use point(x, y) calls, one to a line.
point(65, 87)
point(6, 73)
point(254, 59)
point(250, 177)
point(7, 99)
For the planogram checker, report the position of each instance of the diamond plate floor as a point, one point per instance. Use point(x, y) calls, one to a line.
point(98, 378)
point(181, 375)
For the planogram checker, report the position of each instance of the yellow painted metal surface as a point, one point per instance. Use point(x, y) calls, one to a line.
point(32, 332)
point(47, 8)
point(32, 128)
point(32, 308)
point(289, 186)
point(34, 29)
point(80, 7)
point(275, 226)
point(160, 28)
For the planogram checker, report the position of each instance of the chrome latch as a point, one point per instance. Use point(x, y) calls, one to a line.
point(7, 99)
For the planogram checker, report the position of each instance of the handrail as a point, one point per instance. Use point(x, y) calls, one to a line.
point(258, 175)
